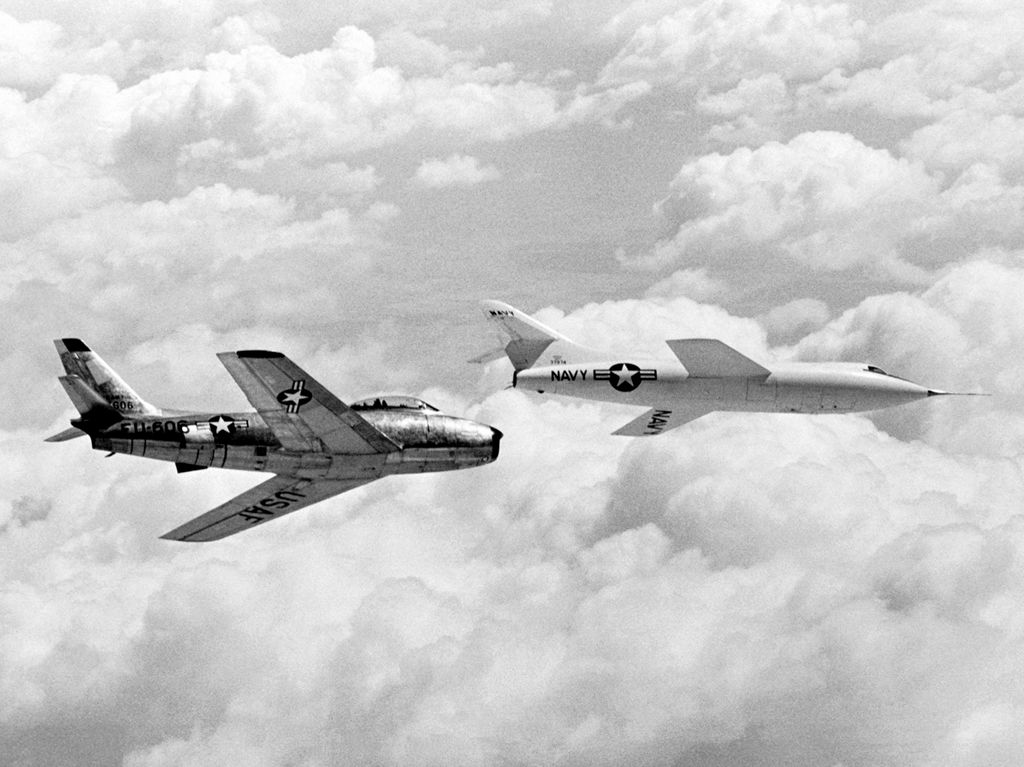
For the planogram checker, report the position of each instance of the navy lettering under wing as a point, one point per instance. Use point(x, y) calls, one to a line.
point(659, 420)
point(268, 500)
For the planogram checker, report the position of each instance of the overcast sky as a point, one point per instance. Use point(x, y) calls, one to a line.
point(344, 182)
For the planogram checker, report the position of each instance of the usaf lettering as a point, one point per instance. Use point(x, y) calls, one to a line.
point(279, 500)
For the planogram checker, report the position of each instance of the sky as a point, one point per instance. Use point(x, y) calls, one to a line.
point(344, 182)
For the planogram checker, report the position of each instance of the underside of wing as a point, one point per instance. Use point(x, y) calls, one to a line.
point(300, 410)
point(659, 420)
point(268, 500)
point(710, 358)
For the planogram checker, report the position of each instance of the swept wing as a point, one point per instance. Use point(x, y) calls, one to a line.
point(298, 409)
point(710, 358)
point(268, 500)
point(659, 420)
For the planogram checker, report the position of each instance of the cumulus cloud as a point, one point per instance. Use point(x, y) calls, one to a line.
point(456, 170)
point(826, 201)
point(259, 105)
point(645, 610)
point(716, 43)
point(959, 334)
point(752, 588)
point(692, 283)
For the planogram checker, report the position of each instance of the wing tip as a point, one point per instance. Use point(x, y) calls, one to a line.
point(258, 354)
point(71, 345)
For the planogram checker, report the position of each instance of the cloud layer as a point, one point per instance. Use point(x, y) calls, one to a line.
point(804, 180)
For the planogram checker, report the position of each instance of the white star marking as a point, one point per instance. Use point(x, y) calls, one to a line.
point(292, 398)
point(221, 424)
point(624, 375)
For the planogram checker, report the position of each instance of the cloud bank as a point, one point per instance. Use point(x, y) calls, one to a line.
point(805, 180)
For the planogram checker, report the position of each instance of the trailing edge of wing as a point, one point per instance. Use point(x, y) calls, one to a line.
point(266, 501)
point(710, 358)
point(659, 420)
point(298, 408)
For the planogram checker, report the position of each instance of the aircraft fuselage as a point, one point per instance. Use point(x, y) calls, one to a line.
point(431, 442)
point(788, 388)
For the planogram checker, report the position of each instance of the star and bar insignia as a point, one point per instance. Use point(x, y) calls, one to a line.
point(295, 397)
point(625, 376)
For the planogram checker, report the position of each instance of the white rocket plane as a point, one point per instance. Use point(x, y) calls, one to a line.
point(707, 375)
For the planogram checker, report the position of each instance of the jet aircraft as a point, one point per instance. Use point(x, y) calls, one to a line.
point(315, 446)
point(706, 376)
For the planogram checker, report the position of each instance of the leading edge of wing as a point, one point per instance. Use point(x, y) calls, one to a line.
point(296, 406)
point(268, 500)
point(659, 420)
point(710, 358)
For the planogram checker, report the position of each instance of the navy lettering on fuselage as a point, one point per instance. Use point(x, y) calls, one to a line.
point(265, 508)
point(568, 375)
point(659, 420)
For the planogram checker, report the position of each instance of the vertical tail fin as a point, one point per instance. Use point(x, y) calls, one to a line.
point(529, 342)
point(92, 384)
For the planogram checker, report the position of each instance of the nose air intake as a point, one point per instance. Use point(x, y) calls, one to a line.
point(495, 443)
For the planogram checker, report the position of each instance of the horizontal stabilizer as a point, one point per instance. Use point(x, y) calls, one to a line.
point(88, 402)
point(710, 358)
point(65, 435)
point(486, 357)
point(658, 420)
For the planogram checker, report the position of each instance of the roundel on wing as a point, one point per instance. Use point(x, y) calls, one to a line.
point(295, 397)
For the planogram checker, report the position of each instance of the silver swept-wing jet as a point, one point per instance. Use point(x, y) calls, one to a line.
point(707, 375)
point(314, 444)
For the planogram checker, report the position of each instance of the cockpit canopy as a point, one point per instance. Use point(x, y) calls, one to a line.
point(393, 402)
point(876, 369)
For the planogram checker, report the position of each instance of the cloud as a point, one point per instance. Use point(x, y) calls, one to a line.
point(692, 283)
point(256, 106)
point(797, 317)
point(135, 272)
point(959, 334)
point(584, 599)
point(749, 589)
point(717, 43)
point(34, 54)
point(571, 612)
point(455, 170)
point(826, 201)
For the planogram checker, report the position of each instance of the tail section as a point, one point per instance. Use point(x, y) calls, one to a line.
point(97, 392)
point(529, 342)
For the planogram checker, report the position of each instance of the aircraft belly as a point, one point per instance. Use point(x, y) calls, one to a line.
point(262, 458)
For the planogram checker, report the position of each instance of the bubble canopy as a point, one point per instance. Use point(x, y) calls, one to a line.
point(393, 402)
